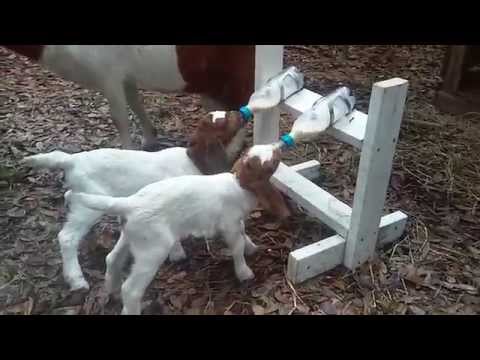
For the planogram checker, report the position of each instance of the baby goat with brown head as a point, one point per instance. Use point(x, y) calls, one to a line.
point(213, 149)
point(162, 214)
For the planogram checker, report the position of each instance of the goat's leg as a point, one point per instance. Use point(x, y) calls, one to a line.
point(236, 243)
point(250, 247)
point(115, 94)
point(146, 263)
point(177, 253)
point(135, 101)
point(115, 261)
point(79, 222)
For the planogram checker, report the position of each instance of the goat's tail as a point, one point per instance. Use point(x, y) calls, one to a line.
point(53, 160)
point(106, 204)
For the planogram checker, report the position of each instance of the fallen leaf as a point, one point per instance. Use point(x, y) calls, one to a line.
point(401, 309)
point(199, 302)
point(258, 310)
point(36, 260)
point(302, 309)
point(178, 276)
point(471, 300)
point(23, 308)
point(473, 250)
point(438, 177)
point(255, 214)
point(16, 212)
point(194, 311)
point(68, 310)
point(396, 182)
point(465, 287)
point(49, 213)
point(270, 226)
point(328, 308)
point(260, 291)
point(192, 108)
point(339, 284)
point(415, 310)
point(284, 309)
point(281, 297)
point(191, 291)
point(412, 274)
point(454, 308)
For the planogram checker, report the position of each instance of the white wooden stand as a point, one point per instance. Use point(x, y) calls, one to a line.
point(359, 229)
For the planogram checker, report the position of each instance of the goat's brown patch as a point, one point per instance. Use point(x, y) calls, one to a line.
point(255, 176)
point(226, 73)
point(207, 145)
point(33, 52)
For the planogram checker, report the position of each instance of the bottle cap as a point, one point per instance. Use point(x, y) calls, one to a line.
point(247, 114)
point(288, 140)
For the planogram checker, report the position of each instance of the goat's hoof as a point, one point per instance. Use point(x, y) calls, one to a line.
point(177, 257)
point(112, 287)
point(245, 275)
point(251, 249)
point(78, 284)
point(125, 311)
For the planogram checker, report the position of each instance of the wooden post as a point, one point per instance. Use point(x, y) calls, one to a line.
point(383, 126)
point(452, 72)
point(268, 62)
point(455, 95)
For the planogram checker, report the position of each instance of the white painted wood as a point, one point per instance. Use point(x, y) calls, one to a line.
point(268, 62)
point(351, 132)
point(308, 169)
point(308, 195)
point(363, 226)
point(316, 201)
point(315, 259)
point(385, 115)
point(300, 102)
point(392, 227)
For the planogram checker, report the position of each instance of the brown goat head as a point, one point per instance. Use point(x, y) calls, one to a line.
point(254, 174)
point(207, 147)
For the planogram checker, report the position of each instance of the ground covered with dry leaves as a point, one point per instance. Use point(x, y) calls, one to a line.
point(434, 269)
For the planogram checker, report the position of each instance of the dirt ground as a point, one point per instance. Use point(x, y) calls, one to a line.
point(434, 269)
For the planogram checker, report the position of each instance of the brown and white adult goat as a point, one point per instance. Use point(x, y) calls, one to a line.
point(223, 75)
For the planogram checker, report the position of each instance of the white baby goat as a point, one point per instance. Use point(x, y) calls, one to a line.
point(160, 215)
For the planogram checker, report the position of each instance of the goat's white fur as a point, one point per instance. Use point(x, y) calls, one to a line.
point(112, 172)
point(161, 214)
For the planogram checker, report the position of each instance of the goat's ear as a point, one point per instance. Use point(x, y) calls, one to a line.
point(209, 157)
point(272, 200)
